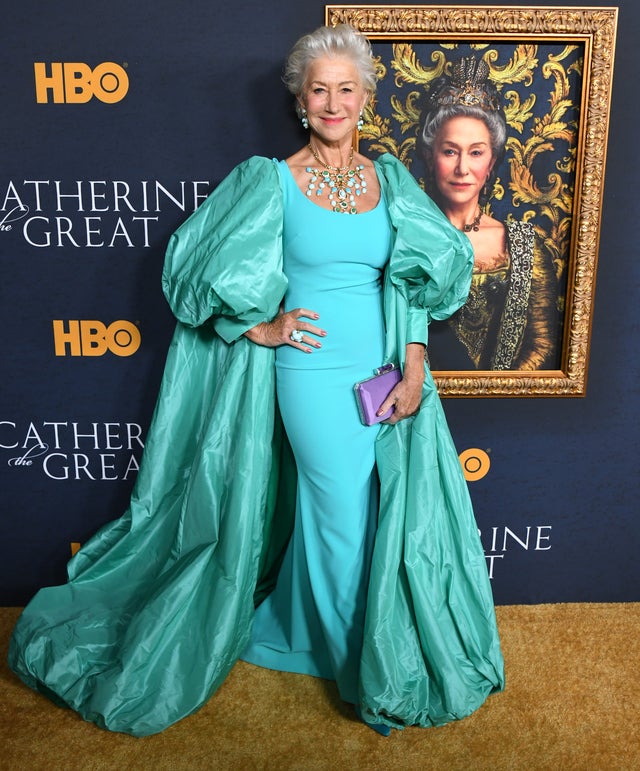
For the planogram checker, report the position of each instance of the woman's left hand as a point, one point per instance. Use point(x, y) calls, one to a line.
point(405, 398)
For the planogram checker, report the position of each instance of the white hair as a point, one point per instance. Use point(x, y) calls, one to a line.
point(342, 40)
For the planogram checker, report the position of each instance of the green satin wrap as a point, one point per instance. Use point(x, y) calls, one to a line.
point(159, 603)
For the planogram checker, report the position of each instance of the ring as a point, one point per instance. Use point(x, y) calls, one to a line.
point(296, 336)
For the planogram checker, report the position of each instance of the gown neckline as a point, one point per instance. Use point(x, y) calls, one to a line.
point(330, 211)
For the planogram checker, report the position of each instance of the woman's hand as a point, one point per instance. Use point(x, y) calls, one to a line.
point(406, 396)
point(279, 331)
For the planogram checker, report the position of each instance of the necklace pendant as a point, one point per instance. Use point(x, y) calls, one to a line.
point(475, 225)
point(343, 184)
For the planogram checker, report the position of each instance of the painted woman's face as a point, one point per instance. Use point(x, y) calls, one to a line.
point(462, 160)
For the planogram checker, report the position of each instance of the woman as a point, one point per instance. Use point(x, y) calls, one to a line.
point(510, 318)
point(382, 586)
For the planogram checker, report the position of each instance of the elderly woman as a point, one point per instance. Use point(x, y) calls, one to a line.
point(510, 320)
point(294, 280)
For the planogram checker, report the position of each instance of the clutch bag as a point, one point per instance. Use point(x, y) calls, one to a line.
point(370, 393)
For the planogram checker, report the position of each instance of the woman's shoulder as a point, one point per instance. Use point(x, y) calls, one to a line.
point(249, 185)
point(389, 164)
point(396, 177)
point(256, 163)
point(493, 229)
point(256, 170)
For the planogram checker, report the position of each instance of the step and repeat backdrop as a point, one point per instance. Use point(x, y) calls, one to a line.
point(118, 120)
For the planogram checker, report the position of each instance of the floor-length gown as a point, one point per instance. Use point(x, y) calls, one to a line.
point(312, 622)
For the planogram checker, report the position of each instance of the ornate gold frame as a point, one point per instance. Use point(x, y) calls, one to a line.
point(593, 28)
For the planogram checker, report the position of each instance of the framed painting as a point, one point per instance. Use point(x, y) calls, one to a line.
point(546, 73)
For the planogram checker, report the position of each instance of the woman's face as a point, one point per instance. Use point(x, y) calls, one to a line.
point(462, 159)
point(333, 97)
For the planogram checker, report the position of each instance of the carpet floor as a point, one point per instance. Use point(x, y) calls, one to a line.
point(572, 701)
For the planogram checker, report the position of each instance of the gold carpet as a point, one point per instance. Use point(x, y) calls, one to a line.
point(572, 702)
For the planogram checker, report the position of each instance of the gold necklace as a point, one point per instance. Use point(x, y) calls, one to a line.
point(475, 225)
point(343, 183)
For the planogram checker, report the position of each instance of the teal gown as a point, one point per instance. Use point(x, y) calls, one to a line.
point(160, 604)
point(313, 622)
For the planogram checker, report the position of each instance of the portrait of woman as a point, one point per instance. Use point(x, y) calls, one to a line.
point(268, 523)
point(509, 321)
point(514, 200)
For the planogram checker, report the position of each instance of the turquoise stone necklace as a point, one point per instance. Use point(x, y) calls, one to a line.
point(343, 184)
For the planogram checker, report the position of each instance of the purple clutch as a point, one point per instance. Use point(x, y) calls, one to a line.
point(370, 393)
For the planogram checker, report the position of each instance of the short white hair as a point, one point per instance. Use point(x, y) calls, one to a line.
point(342, 40)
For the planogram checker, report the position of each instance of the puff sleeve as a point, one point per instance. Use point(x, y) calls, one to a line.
point(225, 261)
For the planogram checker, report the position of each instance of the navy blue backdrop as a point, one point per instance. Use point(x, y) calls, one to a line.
point(93, 184)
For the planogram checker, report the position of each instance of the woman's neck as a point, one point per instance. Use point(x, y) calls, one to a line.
point(463, 217)
point(338, 154)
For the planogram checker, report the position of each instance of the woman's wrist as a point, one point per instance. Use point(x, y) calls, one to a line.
point(259, 334)
point(414, 362)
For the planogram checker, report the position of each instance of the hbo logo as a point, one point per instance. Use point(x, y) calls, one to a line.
point(77, 83)
point(93, 338)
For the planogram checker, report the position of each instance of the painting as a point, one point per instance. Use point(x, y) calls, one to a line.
point(543, 76)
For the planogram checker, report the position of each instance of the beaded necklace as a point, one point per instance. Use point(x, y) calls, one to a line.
point(475, 225)
point(343, 183)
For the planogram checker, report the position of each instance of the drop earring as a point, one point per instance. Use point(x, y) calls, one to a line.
point(486, 192)
point(304, 120)
point(360, 121)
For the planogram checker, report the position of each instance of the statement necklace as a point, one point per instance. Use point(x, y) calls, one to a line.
point(475, 225)
point(343, 183)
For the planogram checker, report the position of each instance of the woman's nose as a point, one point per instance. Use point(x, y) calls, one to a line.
point(332, 101)
point(461, 167)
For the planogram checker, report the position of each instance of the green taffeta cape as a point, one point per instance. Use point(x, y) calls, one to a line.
point(159, 603)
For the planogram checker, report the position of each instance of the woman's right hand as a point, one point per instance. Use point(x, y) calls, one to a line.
point(279, 331)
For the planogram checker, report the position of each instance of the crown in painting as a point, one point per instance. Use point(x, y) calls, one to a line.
point(468, 85)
